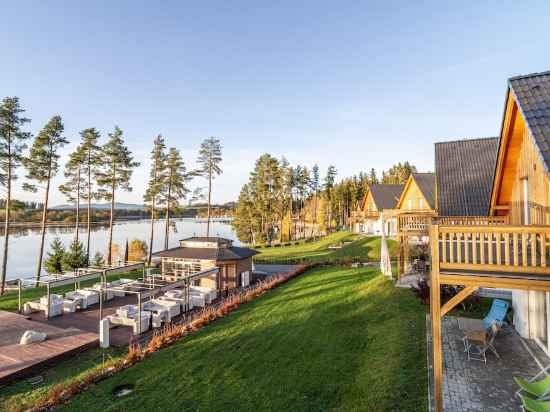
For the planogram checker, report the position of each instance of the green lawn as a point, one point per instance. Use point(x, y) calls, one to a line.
point(332, 339)
point(366, 248)
point(8, 301)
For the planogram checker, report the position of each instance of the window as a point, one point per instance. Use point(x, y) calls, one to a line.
point(421, 203)
point(410, 204)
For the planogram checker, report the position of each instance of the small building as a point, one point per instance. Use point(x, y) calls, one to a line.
point(377, 211)
point(196, 254)
point(418, 195)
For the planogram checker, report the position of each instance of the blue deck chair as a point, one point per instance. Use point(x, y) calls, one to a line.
point(498, 312)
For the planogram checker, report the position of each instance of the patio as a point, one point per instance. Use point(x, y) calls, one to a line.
point(475, 386)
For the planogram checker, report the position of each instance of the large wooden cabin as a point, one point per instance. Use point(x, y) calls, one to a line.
point(377, 212)
point(511, 247)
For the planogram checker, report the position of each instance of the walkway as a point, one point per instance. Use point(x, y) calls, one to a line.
point(475, 386)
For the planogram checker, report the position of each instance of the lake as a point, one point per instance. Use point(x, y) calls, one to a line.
point(24, 243)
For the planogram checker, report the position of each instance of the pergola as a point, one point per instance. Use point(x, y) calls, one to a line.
point(482, 256)
point(151, 285)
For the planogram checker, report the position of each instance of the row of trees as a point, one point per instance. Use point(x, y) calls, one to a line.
point(283, 202)
point(93, 171)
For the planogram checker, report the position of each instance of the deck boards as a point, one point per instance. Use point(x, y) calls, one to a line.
point(20, 360)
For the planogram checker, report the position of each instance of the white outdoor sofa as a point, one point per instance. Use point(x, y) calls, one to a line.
point(121, 283)
point(211, 294)
point(174, 308)
point(55, 308)
point(197, 298)
point(175, 295)
point(107, 294)
point(89, 297)
point(127, 316)
point(159, 313)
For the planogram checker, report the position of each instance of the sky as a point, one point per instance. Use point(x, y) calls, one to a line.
point(356, 84)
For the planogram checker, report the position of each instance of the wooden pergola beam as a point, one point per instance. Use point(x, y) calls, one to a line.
point(459, 297)
point(496, 282)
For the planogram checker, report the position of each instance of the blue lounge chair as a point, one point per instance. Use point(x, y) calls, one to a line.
point(498, 312)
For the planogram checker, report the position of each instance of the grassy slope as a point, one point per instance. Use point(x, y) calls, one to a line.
point(335, 338)
point(361, 248)
point(9, 300)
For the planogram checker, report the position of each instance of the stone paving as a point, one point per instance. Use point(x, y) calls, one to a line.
point(476, 386)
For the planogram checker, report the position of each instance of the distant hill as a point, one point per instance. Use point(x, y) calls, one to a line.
point(102, 206)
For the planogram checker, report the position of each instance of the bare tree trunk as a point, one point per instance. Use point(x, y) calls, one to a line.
point(111, 222)
point(89, 218)
point(7, 222)
point(209, 199)
point(77, 227)
point(167, 217)
point(152, 234)
point(43, 230)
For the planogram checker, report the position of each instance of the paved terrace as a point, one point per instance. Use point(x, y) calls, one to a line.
point(475, 386)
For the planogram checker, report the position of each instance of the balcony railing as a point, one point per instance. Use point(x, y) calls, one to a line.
point(498, 249)
point(420, 223)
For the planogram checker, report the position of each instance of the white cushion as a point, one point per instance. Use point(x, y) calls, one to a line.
point(31, 336)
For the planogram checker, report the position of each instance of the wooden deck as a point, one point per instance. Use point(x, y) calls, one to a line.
point(17, 361)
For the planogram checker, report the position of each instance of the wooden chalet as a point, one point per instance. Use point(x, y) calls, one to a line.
point(377, 211)
point(509, 248)
point(415, 211)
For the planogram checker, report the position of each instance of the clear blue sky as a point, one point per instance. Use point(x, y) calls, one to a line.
point(355, 84)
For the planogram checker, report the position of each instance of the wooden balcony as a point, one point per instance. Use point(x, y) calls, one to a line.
point(498, 250)
point(364, 215)
point(482, 256)
point(414, 224)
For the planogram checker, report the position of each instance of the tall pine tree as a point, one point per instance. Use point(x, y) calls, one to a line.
point(12, 144)
point(42, 165)
point(210, 157)
point(114, 174)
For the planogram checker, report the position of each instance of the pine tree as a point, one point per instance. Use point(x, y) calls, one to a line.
point(330, 180)
point(54, 259)
point(210, 157)
point(97, 261)
point(114, 174)
point(12, 143)
point(75, 257)
point(373, 180)
point(91, 161)
point(156, 183)
point(73, 186)
point(314, 186)
point(175, 187)
point(42, 165)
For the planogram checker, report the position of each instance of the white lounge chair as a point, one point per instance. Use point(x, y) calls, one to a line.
point(55, 308)
point(211, 294)
point(121, 283)
point(174, 308)
point(86, 296)
point(197, 299)
point(127, 316)
point(159, 313)
point(107, 294)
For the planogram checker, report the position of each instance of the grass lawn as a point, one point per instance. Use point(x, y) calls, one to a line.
point(367, 248)
point(8, 301)
point(334, 338)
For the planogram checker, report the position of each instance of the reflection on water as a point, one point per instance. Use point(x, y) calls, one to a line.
point(25, 242)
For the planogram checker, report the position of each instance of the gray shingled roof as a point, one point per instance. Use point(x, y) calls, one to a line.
point(386, 196)
point(532, 94)
point(426, 184)
point(464, 172)
point(218, 254)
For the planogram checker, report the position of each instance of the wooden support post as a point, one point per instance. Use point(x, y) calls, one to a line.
point(435, 307)
point(459, 297)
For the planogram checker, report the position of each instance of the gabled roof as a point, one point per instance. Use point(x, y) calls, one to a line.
point(385, 196)
point(217, 254)
point(465, 171)
point(426, 184)
point(532, 94)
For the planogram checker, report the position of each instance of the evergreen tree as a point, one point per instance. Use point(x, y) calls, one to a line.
point(156, 183)
point(12, 144)
point(73, 186)
point(210, 157)
point(330, 180)
point(114, 174)
point(97, 261)
point(175, 187)
point(314, 185)
point(372, 177)
point(54, 259)
point(42, 165)
point(90, 151)
point(75, 257)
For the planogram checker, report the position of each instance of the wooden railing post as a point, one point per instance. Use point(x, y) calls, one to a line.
point(435, 307)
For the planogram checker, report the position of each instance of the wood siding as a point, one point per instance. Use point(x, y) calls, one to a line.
point(413, 197)
point(520, 160)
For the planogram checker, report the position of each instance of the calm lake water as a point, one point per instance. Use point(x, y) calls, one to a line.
point(24, 243)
